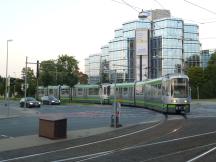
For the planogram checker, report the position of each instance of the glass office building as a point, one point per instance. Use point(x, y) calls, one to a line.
point(175, 46)
point(92, 68)
point(205, 57)
point(150, 47)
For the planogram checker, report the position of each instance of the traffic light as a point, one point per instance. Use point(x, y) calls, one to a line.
point(38, 69)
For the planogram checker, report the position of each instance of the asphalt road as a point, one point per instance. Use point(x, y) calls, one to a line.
point(22, 122)
point(174, 138)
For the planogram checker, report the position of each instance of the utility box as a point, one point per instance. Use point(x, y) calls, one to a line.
point(53, 127)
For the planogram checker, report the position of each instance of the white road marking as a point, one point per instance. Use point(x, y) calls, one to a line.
point(96, 155)
point(88, 157)
point(179, 152)
point(87, 144)
point(201, 155)
point(5, 136)
point(200, 116)
point(174, 130)
point(172, 140)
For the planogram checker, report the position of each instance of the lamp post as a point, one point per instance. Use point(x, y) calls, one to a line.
point(6, 80)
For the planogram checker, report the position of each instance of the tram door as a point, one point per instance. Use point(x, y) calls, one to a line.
point(105, 93)
point(85, 92)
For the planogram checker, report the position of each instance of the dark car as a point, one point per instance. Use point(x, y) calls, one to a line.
point(50, 100)
point(30, 102)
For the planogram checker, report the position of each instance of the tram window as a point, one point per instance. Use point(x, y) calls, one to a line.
point(79, 91)
point(159, 89)
point(105, 90)
point(120, 91)
point(167, 88)
point(179, 88)
point(125, 91)
point(145, 90)
point(74, 92)
point(117, 91)
point(139, 90)
point(50, 91)
point(65, 91)
point(93, 91)
point(130, 92)
point(108, 90)
point(154, 88)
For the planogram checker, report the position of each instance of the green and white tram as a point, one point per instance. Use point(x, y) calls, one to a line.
point(169, 94)
point(86, 93)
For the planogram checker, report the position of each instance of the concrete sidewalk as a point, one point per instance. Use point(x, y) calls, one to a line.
point(35, 140)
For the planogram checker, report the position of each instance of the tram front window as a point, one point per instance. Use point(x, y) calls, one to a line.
point(179, 88)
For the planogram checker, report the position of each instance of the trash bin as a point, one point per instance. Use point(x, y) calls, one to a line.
point(53, 127)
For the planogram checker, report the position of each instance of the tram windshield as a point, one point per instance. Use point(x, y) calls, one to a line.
point(179, 88)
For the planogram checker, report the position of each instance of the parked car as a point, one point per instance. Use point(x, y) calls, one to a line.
point(30, 102)
point(50, 100)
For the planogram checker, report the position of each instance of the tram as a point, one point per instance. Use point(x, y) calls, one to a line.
point(169, 94)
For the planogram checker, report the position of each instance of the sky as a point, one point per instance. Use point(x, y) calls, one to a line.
point(44, 29)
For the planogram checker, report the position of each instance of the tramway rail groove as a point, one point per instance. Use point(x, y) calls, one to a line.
point(95, 142)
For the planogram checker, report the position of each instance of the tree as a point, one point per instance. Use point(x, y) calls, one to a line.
point(68, 66)
point(18, 87)
point(83, 78)
point(204, 79)
point(63, 71)
point(197, 79)
point(48, 73)
point(31, 80)
point(2, 86)
point(209, 89)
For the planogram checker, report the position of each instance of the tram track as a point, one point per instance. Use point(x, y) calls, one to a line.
point(202, 150)
point(133, 138)
point(170, 131)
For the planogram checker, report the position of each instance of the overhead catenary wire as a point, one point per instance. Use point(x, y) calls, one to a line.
point(159, 4)
point(133, 7)
point(123, 3)
point(212, 12)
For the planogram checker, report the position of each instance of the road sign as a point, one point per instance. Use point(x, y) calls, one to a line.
point(23, 86)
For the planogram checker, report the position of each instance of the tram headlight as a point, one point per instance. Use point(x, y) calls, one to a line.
point(185, 101)
point(174, 101)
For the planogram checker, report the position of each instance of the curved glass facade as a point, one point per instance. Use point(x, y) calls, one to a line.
point(172, 46)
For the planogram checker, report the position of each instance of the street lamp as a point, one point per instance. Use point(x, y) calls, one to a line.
point(6, 79)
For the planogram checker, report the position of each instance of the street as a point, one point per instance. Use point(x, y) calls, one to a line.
point(79, 116)
point(160, 138)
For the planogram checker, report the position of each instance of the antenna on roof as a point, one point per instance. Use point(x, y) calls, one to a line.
point(143, 14)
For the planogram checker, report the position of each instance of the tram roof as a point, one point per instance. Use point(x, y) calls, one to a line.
point(123, 84)
point(86, 86)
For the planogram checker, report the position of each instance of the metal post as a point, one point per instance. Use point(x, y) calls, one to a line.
point(115, 104)
point(14, 85)
point(56, 75)
point(6, 81)
point(124, 75)
point(37, 96)
point(8, 96)
point(198, 93)
point(26, 80)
